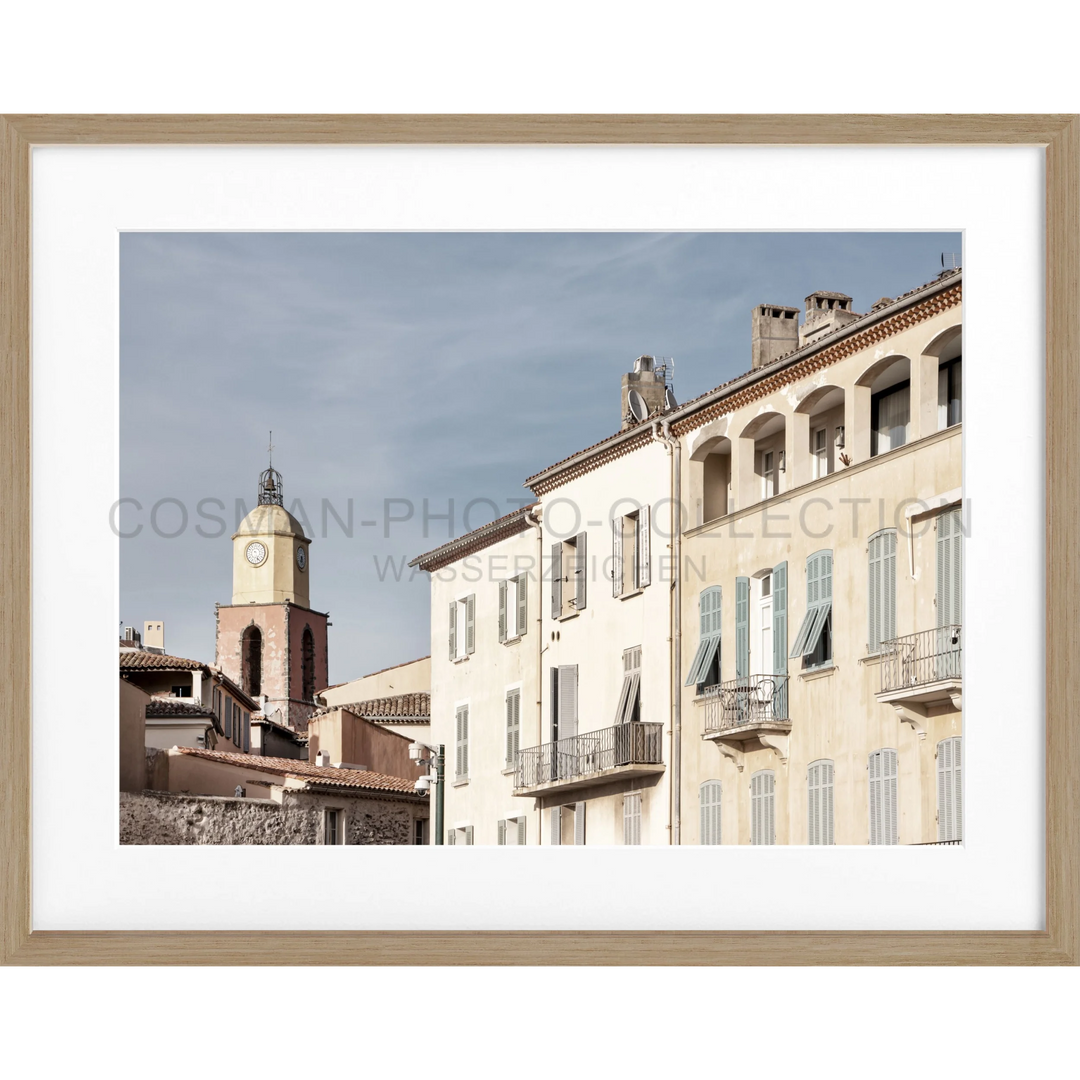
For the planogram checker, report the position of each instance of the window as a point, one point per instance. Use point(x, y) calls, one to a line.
point(461, 835)
point(821, 452)
point(251, 650)
point(512, 607)
point(307, 664)
point(461, 759)
point(513, 726)
point(332, 831)
point(763, 807)
point(883, 797)
point(950, 812)
point(217, 705)
point(462, 627)
point(948, 595)
point(709, 801)
point(819, 783)
point(512, 832)
point(890, 415)
point(246, 725)
point(181, 691)
point(419, 831)
point(564, 701)
point(632, 817)
point(569, 576)
point(814, 639)
point(567, 824)
point(950, 394)
point(228, 717)
point(768, 475)
point(630, 552)
point(630, 698)
point(881, 592)
point(705, 669)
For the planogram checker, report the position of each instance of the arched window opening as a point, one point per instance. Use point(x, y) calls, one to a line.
point(251, 659)
point(307, 661)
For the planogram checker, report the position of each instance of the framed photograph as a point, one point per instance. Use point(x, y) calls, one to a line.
point(609, 484)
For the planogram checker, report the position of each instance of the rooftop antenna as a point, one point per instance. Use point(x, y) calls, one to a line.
point(952, 256)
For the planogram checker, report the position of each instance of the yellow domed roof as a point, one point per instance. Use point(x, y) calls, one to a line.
point(270, 519)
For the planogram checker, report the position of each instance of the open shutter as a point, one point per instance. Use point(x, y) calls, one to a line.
point(950, 818)
point(568, 701)
point(468, 834)
point(644, 532)
point(453, 629)
point(827, 802)
point(742, 628)
point(502, 831)
point(948, 569)
point(451, 836)
point(522, 584)
point(888, 587)
point(812, 818)
point(502, 611)
point(554, 705)
point(874, 635)
point(616, 556)
point(579, 824)
point(521, 832)
point(581, 572)
point(470, 623)
point(556, 580)
point(874, 783)
point(889, 823)
point(779, 637)
point(556, 826)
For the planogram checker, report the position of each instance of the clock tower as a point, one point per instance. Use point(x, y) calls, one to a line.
point(269, 639)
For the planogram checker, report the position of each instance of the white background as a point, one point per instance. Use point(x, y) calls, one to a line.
point(83, 196)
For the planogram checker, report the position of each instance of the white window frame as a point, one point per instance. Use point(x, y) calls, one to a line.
point(820, 453)
point(768, 474)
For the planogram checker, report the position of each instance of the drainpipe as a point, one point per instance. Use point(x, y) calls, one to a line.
point(532, 518)
point(662, 433)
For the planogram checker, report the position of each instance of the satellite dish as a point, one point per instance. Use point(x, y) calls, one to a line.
point(636, 402)
point(669, 399)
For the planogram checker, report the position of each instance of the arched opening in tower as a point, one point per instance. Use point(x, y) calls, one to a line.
point(252, 661)
point(307, 655)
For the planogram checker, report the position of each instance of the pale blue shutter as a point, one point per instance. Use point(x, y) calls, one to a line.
point(949, 800)
point(579, 824)
point(522, 604)
point(581, 571)
point(556, 826)
point(813, 817)
point(779, 638)
point(617, 556)
point(874, 635)
point(709, 795)
point(470, 623)
point(453, 629)
point(502, 831)
point(888, 587)
point(742, 628)
point(502, 611)
point(949, 590)
point(468, 834)
point(556, 580)
point(709, 612)
point(521, 832)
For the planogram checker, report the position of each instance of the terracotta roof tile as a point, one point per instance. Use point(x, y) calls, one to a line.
point(304, 770)
point(156, 708)
point(149, 661)
point(414, 708)
point(500, 529)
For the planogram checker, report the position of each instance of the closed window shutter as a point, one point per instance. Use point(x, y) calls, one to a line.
point(827, 802)
point(779, 636)
point(644, 556)
point(468, 834)
point(556, 580)
point(228, 718)
point(820, 802)
point(709, 604)
point(470, 623)
point(451, 836)
point(949, 590)
point(502, 611)
point(883, 797)
point(632, 818)
point(522, 583)
point(556, 825)
point(579, 824)
point(453, 629)
point(568, 700)
point(709, 798)
point(502, 831)
point(874, 593)
point(247, 732)
point(755, 808)
point(888, 585)
point(769, 818)
point(462, 768)
point(581, 571)
point(521, 832)
point(616, 556)
point(510, 752)
point(950, 815)
point(742, 627)
point(874, 782)
point(812, 805)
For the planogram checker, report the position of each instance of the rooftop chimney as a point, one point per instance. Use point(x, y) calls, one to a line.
point(154, 636)
point(774, 332)
point(648, 382)
point(825, 312)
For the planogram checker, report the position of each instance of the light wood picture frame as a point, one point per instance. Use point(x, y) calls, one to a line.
point(1058, 943)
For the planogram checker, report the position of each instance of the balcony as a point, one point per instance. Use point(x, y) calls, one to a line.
point(753, 708)
point(921, 670)
point(595, 757)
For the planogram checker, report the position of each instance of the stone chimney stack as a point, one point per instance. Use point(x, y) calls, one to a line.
point(774, 332)
point(825, 312)
point(646, 381)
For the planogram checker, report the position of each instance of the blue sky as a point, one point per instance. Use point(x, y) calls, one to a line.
point(413, 366)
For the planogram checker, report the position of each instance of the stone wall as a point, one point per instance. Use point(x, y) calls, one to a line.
point(154, 817)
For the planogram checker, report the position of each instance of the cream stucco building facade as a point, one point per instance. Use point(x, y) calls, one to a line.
point(746, 609)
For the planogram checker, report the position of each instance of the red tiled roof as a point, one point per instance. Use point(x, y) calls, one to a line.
point(808, 358)
point(157, 708)
point(397, 707)
point(304, 770)
point(500, 529)
point(149, 661)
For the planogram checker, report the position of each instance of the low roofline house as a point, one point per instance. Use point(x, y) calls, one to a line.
point(822, 403)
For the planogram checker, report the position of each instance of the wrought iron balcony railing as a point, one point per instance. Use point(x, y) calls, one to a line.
point(739, 703)
point(929, 656)
point(635, 743)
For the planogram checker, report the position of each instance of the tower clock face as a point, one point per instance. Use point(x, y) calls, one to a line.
point(256, 553)
point(301, 558)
